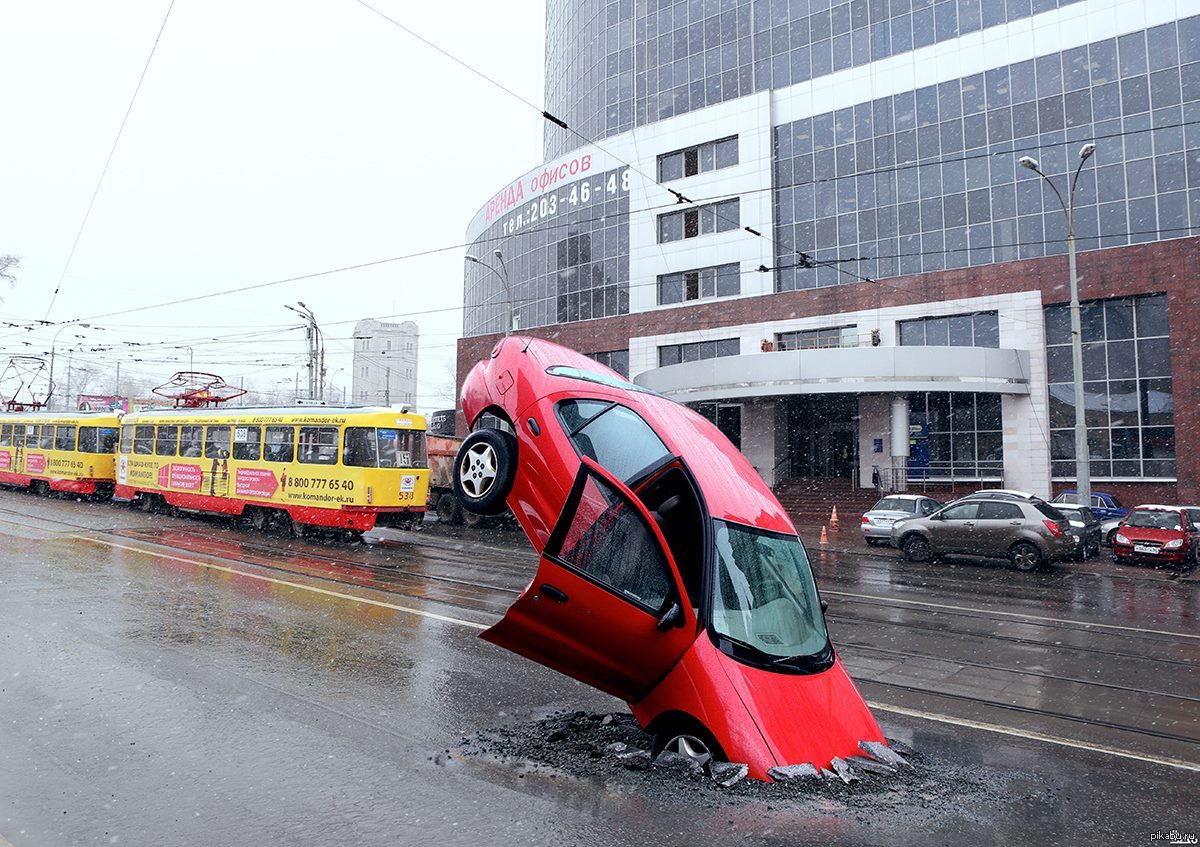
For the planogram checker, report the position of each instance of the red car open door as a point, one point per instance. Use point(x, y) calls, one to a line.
point(606, 604)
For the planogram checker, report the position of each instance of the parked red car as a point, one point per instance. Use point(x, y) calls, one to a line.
point(1158, 534)
point(668, 573)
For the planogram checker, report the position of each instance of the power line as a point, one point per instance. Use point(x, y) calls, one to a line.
point(108, 161)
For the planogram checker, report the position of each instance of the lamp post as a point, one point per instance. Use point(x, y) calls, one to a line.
point(511, 317)
point(1083, 474)
point(54, 342)
point(316, 351)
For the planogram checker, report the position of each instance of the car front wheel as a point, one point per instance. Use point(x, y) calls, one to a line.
point(1025, 556)
point(484, 470)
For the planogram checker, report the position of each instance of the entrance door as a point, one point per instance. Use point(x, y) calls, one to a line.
point(823, 435)
point(604, 582)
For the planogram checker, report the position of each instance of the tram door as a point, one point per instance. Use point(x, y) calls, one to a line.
point(18, 449)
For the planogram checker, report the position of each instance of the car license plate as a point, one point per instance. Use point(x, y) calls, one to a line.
point(885, 521)
point(1144, 548)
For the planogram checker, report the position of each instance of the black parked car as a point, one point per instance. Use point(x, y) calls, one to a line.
point(1085, 526)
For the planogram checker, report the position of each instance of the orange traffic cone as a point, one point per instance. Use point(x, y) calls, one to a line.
point(824, 536)
point(833, 519)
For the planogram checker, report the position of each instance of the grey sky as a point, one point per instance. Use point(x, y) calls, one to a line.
point(270, 139)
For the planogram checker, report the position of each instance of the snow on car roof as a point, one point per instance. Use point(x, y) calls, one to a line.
point(1159, 508)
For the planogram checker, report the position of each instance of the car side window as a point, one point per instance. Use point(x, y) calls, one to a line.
point(928, 507)
point(961, 512)
point(1000, 512)
point(615, 436)
point(609, 541)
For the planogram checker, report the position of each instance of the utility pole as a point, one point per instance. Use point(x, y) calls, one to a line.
point(67, 395)
point(316, 351)
point(117, 392)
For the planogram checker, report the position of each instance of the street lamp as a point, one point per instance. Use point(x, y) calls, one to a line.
point(54, 341)
point(511, 316)
point(1083, 473)
point(191, 355)
point(316, 351)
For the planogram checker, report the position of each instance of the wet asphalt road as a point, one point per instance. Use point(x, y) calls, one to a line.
point(179, 681)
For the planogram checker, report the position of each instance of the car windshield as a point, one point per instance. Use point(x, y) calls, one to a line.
point(593, 376)
point(896, 504)
point(764, 596)
point(1154, 519)
point(1071, 514)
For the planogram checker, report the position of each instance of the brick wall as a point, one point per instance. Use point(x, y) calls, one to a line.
point(1168, 266)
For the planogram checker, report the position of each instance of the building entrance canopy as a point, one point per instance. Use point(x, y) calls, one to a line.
point(845, 370)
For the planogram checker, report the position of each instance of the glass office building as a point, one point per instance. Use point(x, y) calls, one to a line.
point(824, 196)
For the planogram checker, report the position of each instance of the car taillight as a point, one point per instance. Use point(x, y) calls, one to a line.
point(1054, 528)
point(865, 519)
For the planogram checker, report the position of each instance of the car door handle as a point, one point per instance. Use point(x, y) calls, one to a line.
point(555, 594)
point(968, 523)
point(1015, 523)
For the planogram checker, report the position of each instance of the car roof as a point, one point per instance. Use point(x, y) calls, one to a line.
point(1159, 508)
point(905, 497)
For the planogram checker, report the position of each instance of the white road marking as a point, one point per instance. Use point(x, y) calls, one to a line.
point(1036, 736)
point(341, 595)
point(883, 707)
point(1018, 615)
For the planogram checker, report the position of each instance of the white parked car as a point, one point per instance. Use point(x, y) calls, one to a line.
point(877, 523)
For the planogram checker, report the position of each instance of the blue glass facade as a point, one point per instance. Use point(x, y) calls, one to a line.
point(615, 64)
point(928, 179)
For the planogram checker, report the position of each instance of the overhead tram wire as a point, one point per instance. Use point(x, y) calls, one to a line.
point(546, 115)
point(896, 168)
point(108, 161)
point(1176, 232)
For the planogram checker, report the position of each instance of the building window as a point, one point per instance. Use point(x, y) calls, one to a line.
point(1129, 401)
point(813, 339)
point(710, 156)
point(981, 329)
point(955, 436)
point(697, 221)
point(727, 417)
point(673, 354)
point(618, 360)
point(702, 283)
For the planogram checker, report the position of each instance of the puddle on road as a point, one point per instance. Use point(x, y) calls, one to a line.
point(572, 754)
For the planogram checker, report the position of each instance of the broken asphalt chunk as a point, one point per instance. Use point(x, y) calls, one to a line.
point(844, 771)
point(862, 763)
point(790, 773)
point(882, 752)
point(634, 760)
point(900, 747)
point(615, 747)
point(669, 760)
point(726, 774)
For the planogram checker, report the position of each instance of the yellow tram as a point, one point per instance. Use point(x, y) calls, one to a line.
point(344, 468)
point(59, 451)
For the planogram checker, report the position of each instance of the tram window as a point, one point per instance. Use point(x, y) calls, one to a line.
point(143, 440)
point(126, 439)
point(319, 445)
point(6, 435)
point(87, 439)
point(216, 442)
point(393, 452)
point(31, 435)
point(247, 443)
point(64, 438)
point(106, 436)
point(280, 444)
point(166, 441)
point(360, 450)
point(46, 442)
point(191, 441)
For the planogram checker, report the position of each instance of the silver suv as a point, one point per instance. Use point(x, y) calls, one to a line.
point(1028, 533)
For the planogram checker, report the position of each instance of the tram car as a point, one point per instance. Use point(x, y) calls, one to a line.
point(71, 452)
point(304, 468)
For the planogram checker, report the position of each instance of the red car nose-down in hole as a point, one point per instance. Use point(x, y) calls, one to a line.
point(668, 573)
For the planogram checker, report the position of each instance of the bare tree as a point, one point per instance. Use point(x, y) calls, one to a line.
point(9, 264)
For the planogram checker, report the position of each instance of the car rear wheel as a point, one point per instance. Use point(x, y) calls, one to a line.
point(449, 510)
point(873, 542)
point(484, 470)
point(1025, 556)
point(916, 549)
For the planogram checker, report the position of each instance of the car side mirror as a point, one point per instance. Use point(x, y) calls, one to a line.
point(824, 605)
point(671, 618)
